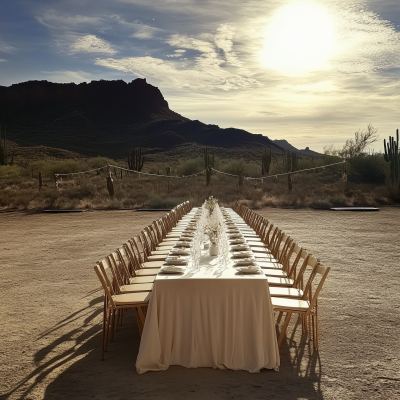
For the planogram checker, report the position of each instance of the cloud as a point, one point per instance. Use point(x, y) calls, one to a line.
point(365, 42)
point(69, 76)
point(177, 53)
point(3, 60)
point(180, 74)
point(6, 48)
point(206, 69)
point(59, 21)
point(145, 31)
point(224, 40)
point(91, 44)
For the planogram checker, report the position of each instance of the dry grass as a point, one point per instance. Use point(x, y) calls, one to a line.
point(322, 189)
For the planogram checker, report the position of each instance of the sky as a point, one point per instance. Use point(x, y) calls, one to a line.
point(310, 72)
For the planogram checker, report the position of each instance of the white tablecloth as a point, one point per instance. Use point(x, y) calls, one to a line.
point(209, 317)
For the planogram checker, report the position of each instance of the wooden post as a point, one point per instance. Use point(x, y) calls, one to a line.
point(40, 179)
point(289, 181)
point(110, 184)
point(56, 181)
point(241, 180)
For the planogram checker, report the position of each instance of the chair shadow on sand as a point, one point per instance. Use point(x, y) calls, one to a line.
point(80, 374)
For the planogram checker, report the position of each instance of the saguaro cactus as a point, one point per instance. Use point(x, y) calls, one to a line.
point(208, 160)
point(392, 156)
point(291, 161)
point(208, 175)
point(266, 159)
point(241, 180)
point(136, 159)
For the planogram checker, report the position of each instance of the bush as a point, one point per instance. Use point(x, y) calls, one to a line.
point(190, 167)
point(367, 168)
point(10, 171)
point(163, 202)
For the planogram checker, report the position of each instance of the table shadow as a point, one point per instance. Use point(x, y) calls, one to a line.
point(80, 374)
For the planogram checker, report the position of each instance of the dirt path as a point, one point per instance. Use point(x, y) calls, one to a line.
point(51, 314)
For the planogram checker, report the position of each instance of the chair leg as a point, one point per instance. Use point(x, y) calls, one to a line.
point(280, 315)
point(103, 336)
point(112, 325)
point(107, 329)
point(316, 339)
point(284, 327)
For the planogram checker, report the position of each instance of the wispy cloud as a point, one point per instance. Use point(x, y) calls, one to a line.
point(91, 44)
point(58, 21)
point(6, 47)
point(3, 60)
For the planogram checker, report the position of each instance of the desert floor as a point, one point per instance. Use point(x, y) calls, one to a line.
point(51, 305)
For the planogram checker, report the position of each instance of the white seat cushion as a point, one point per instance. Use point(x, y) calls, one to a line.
point(289, 304)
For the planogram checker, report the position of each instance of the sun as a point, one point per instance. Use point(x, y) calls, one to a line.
point(299, 39)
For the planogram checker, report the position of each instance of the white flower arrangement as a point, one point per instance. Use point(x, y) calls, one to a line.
point(213, 230)
point(210, 204)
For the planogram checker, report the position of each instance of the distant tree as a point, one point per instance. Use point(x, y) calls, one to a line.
point(354, 147)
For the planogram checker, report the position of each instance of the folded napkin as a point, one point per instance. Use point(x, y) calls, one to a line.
point(249, 270)
point(236, 241)
point(245, 262)
point(187, 239)
point(183, 244)
point(180, 251)
point(176, 260)
point(240, 247)
point(235, 235)
point(242, 254)
point(187, 234)
point(172, 269)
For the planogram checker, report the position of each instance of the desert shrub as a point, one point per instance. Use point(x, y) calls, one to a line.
point(338, 200)
point(240, 166)
point(100, 161)
point(163, 202)
point(321, 203)
point(189, 167)
point(114, 204)
point(10, 171)
point(84, 190)
point(367, 168)
point(51, 167)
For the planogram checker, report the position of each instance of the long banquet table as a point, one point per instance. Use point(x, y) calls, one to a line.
point(210, 316)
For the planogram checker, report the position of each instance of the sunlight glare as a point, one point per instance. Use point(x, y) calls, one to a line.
point(299, 39)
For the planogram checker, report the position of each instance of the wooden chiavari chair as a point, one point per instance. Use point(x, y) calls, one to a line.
point(115, 302)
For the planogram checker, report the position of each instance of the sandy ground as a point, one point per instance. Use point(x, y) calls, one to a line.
point(51, 314)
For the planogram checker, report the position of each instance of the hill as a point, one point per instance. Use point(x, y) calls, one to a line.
point(304, 152)
point(108, 117)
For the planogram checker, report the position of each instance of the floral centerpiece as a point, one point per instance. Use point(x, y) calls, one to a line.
point(210, 204)
point(213, 230)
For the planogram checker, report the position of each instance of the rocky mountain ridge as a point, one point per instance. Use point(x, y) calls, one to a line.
point(108, 117)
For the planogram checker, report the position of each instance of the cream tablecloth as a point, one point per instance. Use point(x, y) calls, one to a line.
point(209, 317)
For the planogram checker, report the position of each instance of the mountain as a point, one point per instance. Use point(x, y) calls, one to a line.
point(108, 117)
point(287, 146)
